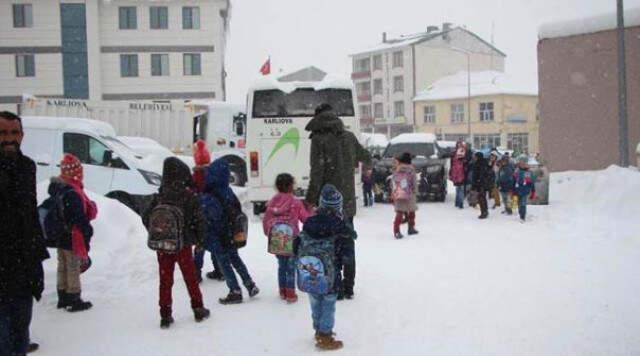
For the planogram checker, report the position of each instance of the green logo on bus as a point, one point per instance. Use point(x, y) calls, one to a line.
point(291, 137)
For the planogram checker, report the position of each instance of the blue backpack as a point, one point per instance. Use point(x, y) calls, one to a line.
point(52, 221)
point(315, 265)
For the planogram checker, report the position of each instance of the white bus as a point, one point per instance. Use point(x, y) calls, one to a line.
point(277, 113)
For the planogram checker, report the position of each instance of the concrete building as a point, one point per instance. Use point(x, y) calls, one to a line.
point(578, 81)
point(112, 49)
point(389, 75)
point(503, 111)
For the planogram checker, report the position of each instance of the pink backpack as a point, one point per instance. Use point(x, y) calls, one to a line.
point(402, 184)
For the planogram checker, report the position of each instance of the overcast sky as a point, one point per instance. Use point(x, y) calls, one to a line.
point(298, 33)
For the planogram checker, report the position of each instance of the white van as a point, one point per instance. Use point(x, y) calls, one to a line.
point(109, 165)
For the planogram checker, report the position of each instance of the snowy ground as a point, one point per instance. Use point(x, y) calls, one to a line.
point(564, 283)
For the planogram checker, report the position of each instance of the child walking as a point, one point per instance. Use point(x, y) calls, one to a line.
point(281, 226)
point(367, 186)
point(404, 195)
point(315, 249)
point(524, 186)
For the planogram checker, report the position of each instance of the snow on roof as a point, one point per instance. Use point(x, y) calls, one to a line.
point(398, 43)
point(374, 139)
point(413, 138)
point(602, 22)
point(330, 81)
point(49, 122)
point(482, 83)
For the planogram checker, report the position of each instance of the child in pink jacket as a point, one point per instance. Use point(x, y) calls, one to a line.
point(281, 226)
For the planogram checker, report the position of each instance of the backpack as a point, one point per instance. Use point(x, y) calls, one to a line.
point(237, 223)
point(51, 218)
point(166, 228)
point(315, 265)
point(402, 185)
point(281, 239)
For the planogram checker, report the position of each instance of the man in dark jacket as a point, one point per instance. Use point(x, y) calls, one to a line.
point(23, 249)
point(335, 153)
point(481, 182)
point(176, 191)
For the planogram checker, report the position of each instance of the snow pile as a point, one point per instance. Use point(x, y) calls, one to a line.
point(593, 24)
point(482, 83)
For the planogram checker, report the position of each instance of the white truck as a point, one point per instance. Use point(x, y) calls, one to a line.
point(222, 125)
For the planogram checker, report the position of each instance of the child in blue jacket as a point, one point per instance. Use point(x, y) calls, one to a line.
point(524, 186)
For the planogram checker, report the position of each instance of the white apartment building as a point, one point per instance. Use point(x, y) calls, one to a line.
point(133, 50)
point(389, 75)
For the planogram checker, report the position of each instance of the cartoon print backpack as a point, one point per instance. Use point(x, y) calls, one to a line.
point(315, 266)
point(166, 229)
point(402, 185)
point(52, 221)
point(281, 239)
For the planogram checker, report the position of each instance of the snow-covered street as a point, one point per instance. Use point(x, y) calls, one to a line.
point(564, 283)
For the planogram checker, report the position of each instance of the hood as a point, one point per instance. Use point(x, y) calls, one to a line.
point(325, 121)
point(322, 226)
point(57, 185)
point(281, 204)
point(217, 176)
point(176, 173)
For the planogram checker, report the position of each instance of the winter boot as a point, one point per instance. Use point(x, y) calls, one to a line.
point(509, 211)
point(327, 342)
point(291, 295)
point(398, 235)
point(234, 297)
point(215, 275)
point(283, 294)
point(165, 322)
point(201, 313)
point(33, 347)
point(76, 303)
point(483, 216)
point(63, 299)
point(412, 231)
point(348, 293)
point(317, 335)
point(253, 290)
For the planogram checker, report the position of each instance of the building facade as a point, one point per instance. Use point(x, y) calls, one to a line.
point(388, 76)
point(578, 76)
point(112, 50)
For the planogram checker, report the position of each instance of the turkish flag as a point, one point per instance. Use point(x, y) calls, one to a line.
point(266, 67)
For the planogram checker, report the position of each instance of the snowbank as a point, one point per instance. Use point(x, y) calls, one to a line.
point(587, 25)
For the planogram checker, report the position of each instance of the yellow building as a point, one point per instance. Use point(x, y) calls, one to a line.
point(504, 112)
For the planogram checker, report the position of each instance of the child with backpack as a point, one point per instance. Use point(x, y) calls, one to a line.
point(524, 186)
point(67, 226)
point(367, 186)
point(280, 225)
point(506, 183)
point(403, 193)
point(226, 230)
point(175, 223)
point(315, 249)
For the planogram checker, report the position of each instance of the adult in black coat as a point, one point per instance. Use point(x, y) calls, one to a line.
point(22, 246)
point(481, 182)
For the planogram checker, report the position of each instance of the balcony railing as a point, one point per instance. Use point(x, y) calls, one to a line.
point(364, 97)
point(361, 75)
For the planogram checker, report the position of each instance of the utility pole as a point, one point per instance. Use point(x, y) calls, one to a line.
point(623, 144)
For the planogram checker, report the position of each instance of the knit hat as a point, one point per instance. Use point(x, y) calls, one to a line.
point(405, 158)
point(201, 155)
point(523, 158)
point(479, 155)
point(70, 167)
point(330, 198)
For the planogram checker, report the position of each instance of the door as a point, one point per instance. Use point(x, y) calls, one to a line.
point(98, 176)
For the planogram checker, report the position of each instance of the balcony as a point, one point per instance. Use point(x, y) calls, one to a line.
point(366, 121)
point(361, 75)
point(364, 97)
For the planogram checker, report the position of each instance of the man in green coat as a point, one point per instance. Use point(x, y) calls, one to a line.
point(335, 153)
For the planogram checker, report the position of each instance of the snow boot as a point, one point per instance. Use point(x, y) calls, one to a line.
point(33, 347)
point(483, 216)
point(215, 275)
point(283, 294)
point(509, 211)
point(201, 313)
point(76, 303)
point(234, 297)
point(291, 295)
point(398, 235)
point(412, 231)
point(253, 290)
point(328, 342)
point(165, 322)
point(63, 299)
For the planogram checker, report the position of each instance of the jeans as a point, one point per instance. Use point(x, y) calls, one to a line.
point(506, 200)
point(167, 263)
point(368, 197)
point(228, 260)
point(345, 265)
point(522, 206)
point(323, 312)
point(198, 259)
point(15, 317)
point(460, 196)
point(286, 272)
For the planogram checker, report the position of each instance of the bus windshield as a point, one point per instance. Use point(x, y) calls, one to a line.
point(301, 102)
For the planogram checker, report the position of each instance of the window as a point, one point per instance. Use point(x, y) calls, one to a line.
point(301, 102)
point(363, 65)
point(159, 65)
point(398, 84)
point(128, 65)
point(128, 17)
point(457, 113)
point(190, 18)
point(518, 142)
point(455, 137)
point(483, 141)
point(486, 111)
point(377, 87)
point(378, 110)
point(365, 111)
point(398, 60)
point(398, 108)
point(25, 65)
point(22, 15)
point(192, 64)
point(364, 89)
point(377, 62)
point(430, 114)
point(86, 148)
point(159, 17)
